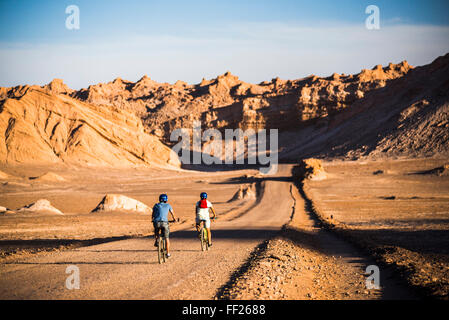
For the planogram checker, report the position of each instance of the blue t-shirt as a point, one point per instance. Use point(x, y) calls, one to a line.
point(160, 211)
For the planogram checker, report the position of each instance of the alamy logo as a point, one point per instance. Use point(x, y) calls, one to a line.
point(372, 22)
point(233, 146)
point(73, 20)
point(373, 280)
point(73, 280)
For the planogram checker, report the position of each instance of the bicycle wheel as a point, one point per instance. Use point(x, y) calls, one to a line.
point(164, 249)
point(207, 240)
point(203, 239)
point(160, 250)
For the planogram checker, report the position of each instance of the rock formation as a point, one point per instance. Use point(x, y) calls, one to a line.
point(311, 169)
point(396, 110)
point(40, 207)
point(37, 126)
point(117, 203)
point(245, 192)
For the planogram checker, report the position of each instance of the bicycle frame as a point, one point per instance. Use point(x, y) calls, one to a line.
point(162, 244)
point(204, 237)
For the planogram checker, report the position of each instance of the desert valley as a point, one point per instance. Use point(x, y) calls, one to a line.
point(362, 179)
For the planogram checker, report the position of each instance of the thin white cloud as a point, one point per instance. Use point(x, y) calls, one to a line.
point(253, 51)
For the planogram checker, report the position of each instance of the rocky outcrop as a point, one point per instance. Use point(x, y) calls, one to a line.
point(228, 102)
point(245, 192)
point(409, 118)
point(311, 169)
point(58, 86)
point(393, 110)
point(40, 207)
point(120, 203)
point(41, 127)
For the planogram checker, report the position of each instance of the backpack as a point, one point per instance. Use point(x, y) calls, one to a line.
point(203, 204)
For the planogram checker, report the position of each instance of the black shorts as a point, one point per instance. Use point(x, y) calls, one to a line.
point(163, 225)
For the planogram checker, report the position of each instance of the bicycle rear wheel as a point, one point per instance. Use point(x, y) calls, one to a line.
point(207, 240)
point(203, 239)
point(161, 250)
point(164, 249)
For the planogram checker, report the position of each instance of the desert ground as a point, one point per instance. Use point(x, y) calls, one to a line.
point(398, 210)
point(268, 244)
point(362, 182)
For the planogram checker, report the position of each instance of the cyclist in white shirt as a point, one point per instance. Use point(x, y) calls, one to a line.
point(203, 209)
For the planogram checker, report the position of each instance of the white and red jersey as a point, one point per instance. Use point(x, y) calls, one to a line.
point(202, 209)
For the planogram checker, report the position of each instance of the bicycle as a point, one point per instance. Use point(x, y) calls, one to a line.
point(204, 237)
point(161, 249)
point(161, 245)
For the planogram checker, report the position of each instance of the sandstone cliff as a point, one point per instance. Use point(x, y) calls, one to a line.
point(38, 125)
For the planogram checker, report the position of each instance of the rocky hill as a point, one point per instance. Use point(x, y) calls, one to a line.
point(227, 102)
point(409, 117)
point(396, 110)
point(40, 126)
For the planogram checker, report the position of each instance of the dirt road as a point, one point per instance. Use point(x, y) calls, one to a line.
point(128, 269)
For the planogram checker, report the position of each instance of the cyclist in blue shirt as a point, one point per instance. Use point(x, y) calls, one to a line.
point(160, 220)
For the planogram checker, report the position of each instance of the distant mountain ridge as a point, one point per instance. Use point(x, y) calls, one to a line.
point(396, 110)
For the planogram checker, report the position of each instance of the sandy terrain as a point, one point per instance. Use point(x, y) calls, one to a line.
point(398, 210)
point(304, 261)
point(85, 188)
point(363, 180)
point(129, 268)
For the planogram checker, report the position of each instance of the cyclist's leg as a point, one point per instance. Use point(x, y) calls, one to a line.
point(156, 233)
point(166, 235)
point(209, 234)
point(198, 225)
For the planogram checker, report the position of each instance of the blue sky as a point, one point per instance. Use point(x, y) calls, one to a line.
point(189, 40)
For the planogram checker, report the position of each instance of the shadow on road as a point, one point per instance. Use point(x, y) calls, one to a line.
point(250, 179)
point(230, 234)
point(83, 262)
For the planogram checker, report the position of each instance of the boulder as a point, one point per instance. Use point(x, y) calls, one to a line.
point(311, 169)
point(117, 202)
point(245, 192)
point(41, 207)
